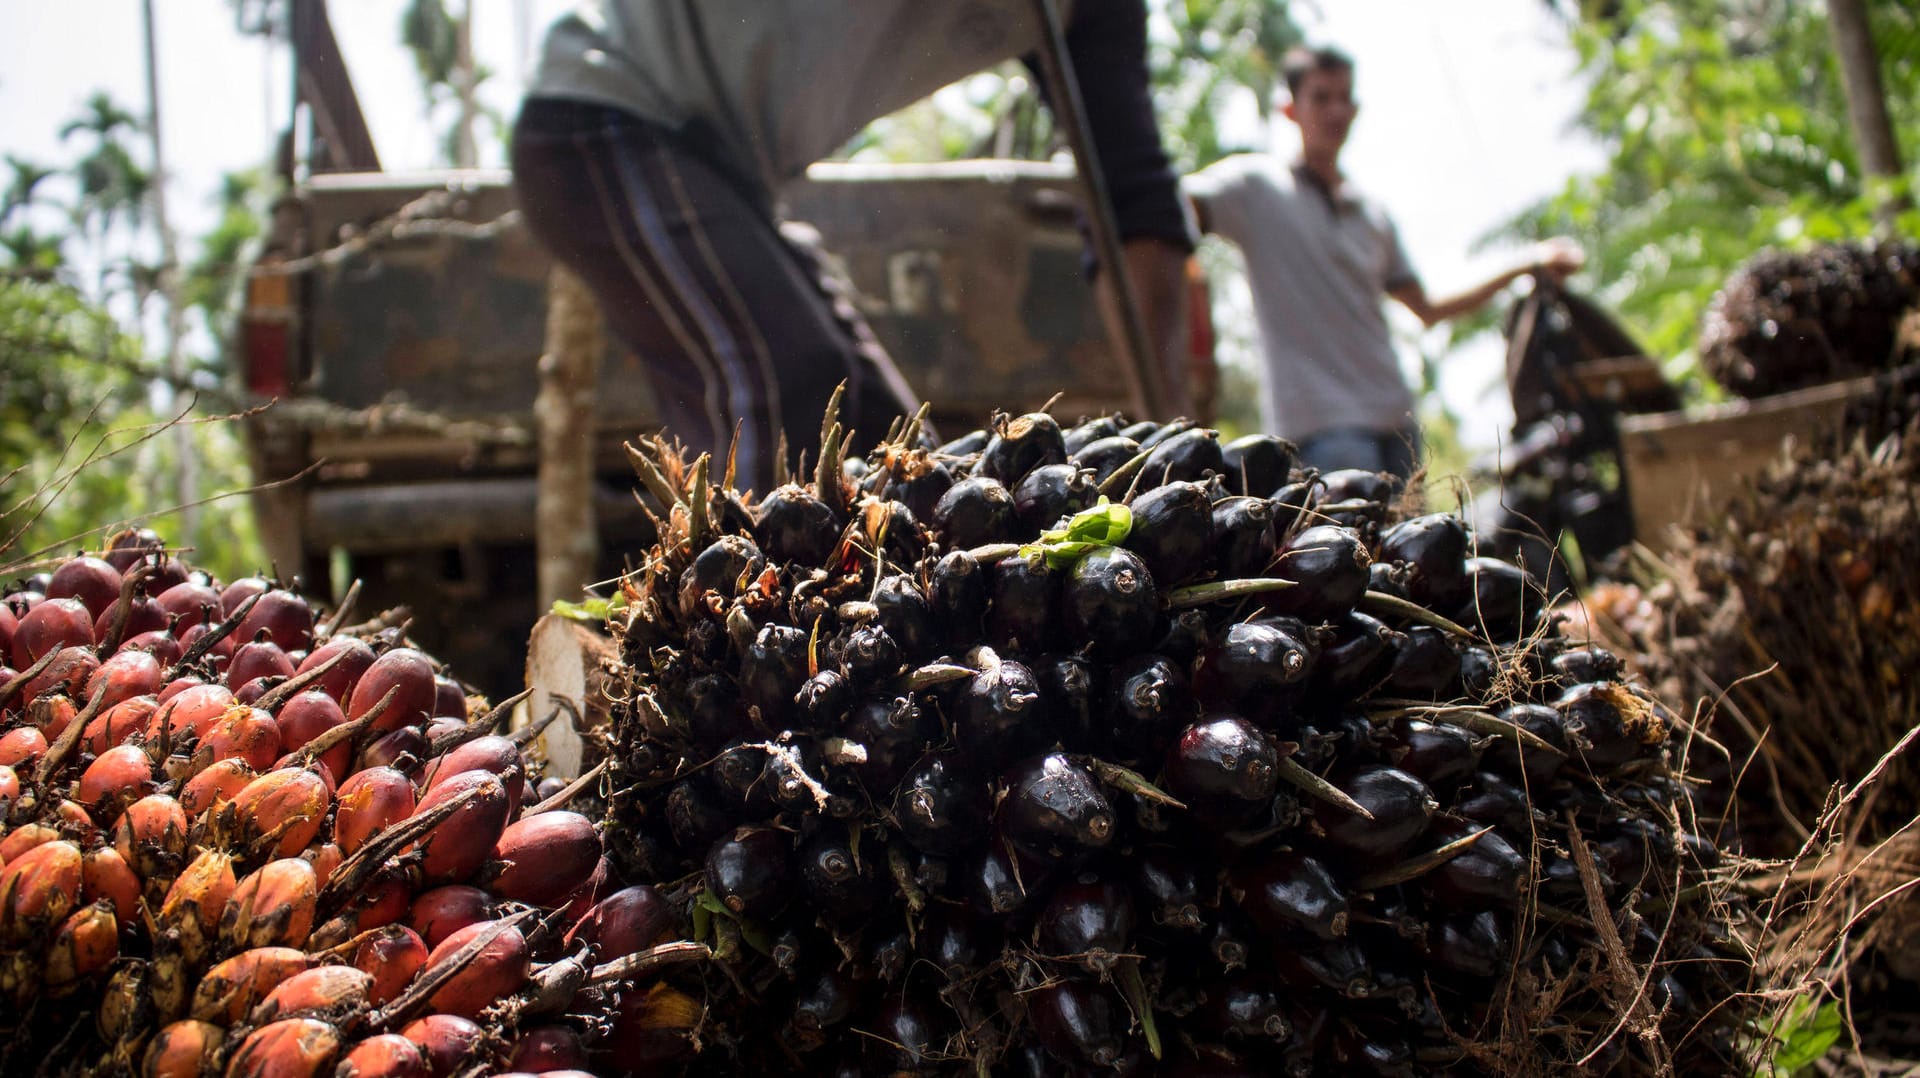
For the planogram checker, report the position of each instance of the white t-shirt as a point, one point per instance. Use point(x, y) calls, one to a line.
point(1318, 271)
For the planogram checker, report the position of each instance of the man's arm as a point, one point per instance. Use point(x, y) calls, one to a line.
point(1556, 258)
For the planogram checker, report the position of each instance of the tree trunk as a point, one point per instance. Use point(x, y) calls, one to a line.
point(1867, 103)
point(465, 87)
point(565, 537)
point(186, 459)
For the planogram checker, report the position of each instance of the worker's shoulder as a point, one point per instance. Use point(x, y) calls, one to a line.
point(1241, 170)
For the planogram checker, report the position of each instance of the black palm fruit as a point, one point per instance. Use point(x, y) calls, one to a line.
point(737, 774)
point(917, 482)
point(714, 711)
point(1019, 446)
point(1189, 456)
point(1090, 430)
point(1168, 888)
point(1426, 663)
point(1359, 485)
point(975, 512)
point(1172, 531)
point(1105, 456)
point(955, 940)
point(1023, 612)
point(892, 528)
point(1077, 1022)
point(1438, 754)
point(1070, 691)
point(1143, 429)
point(792, 525)
point(1474, 944)
point(1586, 663)
point(826, 998)
point(798, 782)
point(1294, 507)
point(892, 731)
point(1492, 798)
point(1110, 604)
point(1503, 600)
point(1355, 657)
point(1339, 965)
point(1148, 703)
point(1372, 1051)
point(965, 445)
point(1479, 672)
point(903, 610)
point(1487, 873)
point(1524, 760)
point(731, 514)
point(1328, 565)
point(1053, 809)
point(869, 654)
point(1089, 919)
point(1608, 725)
point(823, 700)
point(941, 808)
point(1002, 714)
point(1246, 1006)
point(1258, 464)
point(1184, 635)
point(957, 595)
point(751, 872)
point(1254, 667)
point(1243, 538)
point(901, 1036)
point(1389, 577)
point(843, 886)
point(1224, 768)
point(1435, 549)
point(1401, 806)
point(1288, 893)
point(696, 817)
point(1050, 492)
point(998, 884)
point(716, 575)
point(772, 671)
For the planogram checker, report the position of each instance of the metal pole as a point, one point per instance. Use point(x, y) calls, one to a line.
point(1056, 67)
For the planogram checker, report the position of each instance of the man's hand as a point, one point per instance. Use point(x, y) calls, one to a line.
point(1557, 258)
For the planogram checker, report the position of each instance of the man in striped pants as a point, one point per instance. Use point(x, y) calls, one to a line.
point(656, 133)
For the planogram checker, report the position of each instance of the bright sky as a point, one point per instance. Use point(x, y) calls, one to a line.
point(1465, 107)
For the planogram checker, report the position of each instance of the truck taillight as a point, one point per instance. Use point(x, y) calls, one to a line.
point(266, 332)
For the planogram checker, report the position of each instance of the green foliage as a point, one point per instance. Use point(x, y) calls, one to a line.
point(1205, 54)
point(1805, 1034)
point(1725, 122)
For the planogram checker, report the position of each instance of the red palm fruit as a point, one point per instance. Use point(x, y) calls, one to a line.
point(92, 581)
point(390, 956)
point(126, 675)
point(322, 990)
point(9, 788)
point(406, 670)
point(376, 905)
point(116, 777)
point(308, 715)
point(183, 1050)
point(218, 655)
point(196, 900)
point(243, 733)
point(239, 591)
point(385, 752)
point(439, 728)
point(215, 784)
point(341, 677)
point(490, 753)
point(49, 626)
point(577, 904)
point(232, 988)
point(272, 907)
point(278, 813)
point(179, 685)
point(325, 858)
point(119, 722)
point(75, 820)
point(105, 876)
point(152, 836)
point(386, 1055)
point(370, 800)
point(83, 945)
point(8, 622)
point(289, 1048)
point(441, 912)
point(160, 643)
point(39, 889)
point(547, 1048)
point(543, 859)
point(499, 968)
point(51, 714)
point(447, 1040)
point(22, 745)
point(190, 604)
point(129, 547)
point(449, 699)
point(461, 843)
point(194, 708)
point(257, 659)
point(68, 673)
point(283, 616)
point(143, 616)
point(24, 838)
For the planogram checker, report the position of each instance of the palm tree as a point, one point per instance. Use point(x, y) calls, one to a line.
point(114, 189)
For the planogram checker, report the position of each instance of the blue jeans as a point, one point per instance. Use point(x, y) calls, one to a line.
point(1396, 452)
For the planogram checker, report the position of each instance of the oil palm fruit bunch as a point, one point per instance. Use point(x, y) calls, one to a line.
point(239, 837)
point(1791, 319)
point(1114, 748)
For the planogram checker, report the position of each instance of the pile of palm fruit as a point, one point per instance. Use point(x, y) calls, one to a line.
point(237, 838)
point(1117, 749)
point(1791, 319)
